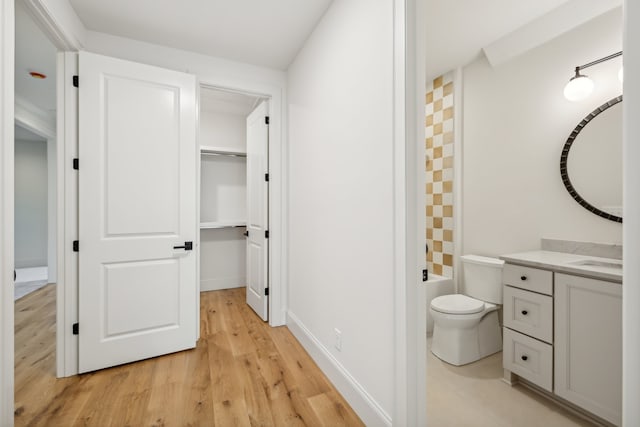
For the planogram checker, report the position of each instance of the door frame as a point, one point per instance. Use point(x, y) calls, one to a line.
point(278, 196)
point(7, 59)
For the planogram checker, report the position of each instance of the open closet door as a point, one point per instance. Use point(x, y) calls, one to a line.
point(258, 210)
point(137, 211)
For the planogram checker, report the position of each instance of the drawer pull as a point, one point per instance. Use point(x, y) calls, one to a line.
point(524, 358)
point(523, 278)
point(524, 312)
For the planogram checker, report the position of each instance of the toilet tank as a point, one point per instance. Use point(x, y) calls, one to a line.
point(482, 278)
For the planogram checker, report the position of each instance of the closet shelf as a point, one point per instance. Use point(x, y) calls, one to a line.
point(222, 224)
point(221, 151)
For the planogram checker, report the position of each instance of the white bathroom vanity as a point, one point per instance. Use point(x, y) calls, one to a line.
point(563, 329)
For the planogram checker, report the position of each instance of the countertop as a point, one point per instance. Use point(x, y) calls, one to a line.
point(566, 263)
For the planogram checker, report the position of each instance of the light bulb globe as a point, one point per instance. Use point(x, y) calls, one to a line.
point(578, 88)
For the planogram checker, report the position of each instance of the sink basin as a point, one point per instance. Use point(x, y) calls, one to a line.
point(597, 263)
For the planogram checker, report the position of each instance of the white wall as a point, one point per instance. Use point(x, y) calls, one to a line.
point(31, 204)
point(341, 200)
point(224, 72)
point(516, 121)
point(223, 130)
point(52, 211)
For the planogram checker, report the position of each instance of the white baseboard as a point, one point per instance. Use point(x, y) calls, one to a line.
point(222, 283)
point(369, 411)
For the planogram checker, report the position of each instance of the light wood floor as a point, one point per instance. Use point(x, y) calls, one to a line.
point(242, 373)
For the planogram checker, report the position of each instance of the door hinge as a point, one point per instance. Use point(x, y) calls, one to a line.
point(76, 164)
point(266, 177)
point(76, 328)
point(266, 234)
point(425, 275)
point(266, 120)
point(76, 246)
point(266, 292)
point(76, 82)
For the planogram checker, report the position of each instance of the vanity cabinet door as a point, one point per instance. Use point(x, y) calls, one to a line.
point(588, 344)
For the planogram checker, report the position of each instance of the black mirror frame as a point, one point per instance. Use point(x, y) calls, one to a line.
point(564, 174)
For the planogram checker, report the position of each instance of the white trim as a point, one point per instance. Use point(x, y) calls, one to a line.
point(631, 228)
point(409, 389)
point(67, 288)
point(458, 161)
point(34, 118)
point(222, 283)
point(59, 22)
point(362, 402)
point(416, 60)
point(7, 19)
point(409, 242)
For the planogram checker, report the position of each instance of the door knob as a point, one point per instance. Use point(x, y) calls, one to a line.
point(187, 246)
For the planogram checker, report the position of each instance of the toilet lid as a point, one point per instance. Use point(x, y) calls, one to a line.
point(457, 304)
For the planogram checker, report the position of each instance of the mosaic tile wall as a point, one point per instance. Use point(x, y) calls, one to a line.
point(439, 168)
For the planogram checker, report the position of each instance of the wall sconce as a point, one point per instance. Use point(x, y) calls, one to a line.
point(580, 86)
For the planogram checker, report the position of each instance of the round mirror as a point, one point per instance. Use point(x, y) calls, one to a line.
point(592, 174)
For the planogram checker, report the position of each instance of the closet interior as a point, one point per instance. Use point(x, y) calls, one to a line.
point(223, 187)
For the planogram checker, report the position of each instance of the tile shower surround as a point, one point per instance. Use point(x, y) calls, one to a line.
point(439, 174)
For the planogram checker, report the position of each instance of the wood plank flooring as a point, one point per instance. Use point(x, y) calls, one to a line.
point(242, 373)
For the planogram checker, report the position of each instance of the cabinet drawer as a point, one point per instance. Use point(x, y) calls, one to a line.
point(532, 279)
point(528, 358)
point(529, 313)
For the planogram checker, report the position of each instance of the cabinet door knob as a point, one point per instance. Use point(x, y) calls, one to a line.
point(524, 358)
point(523, 277)
point(524, 312)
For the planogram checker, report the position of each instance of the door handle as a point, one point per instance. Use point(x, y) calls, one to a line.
point(188, 246)
point(246, 233)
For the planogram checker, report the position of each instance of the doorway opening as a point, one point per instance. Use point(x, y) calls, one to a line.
point(234, 194)
point(35, 209)
point(474, 161)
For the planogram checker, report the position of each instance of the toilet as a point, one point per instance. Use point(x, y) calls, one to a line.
point(465, 325)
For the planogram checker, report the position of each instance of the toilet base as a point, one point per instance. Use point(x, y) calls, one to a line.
point(459, 345)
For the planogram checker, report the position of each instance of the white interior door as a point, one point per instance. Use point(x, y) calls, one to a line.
point(258, 210)
point(137, 202)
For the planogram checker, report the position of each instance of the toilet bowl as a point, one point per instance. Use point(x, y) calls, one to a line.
point(466, 326)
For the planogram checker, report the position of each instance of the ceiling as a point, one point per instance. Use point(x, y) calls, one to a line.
point(266, 33)
point(34, 52)
point(457, 30)
point(258, 32)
